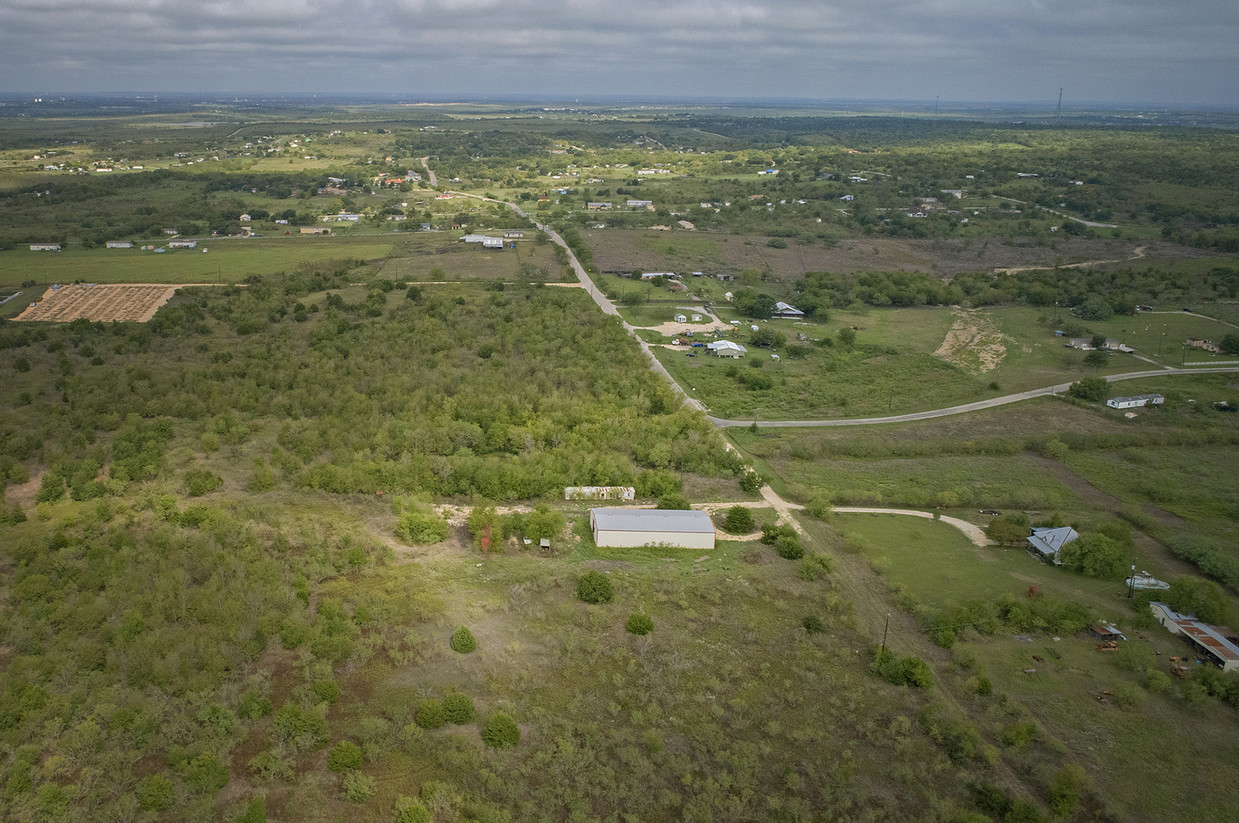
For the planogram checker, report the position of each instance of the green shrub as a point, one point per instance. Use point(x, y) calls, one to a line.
point(813, 624)
point(458, 709)
point(738, 520)
point(200, 481)
point(421, 528)
point(907, 671)
point(154, 793)
point(255, 811)
point(501, 731)
point(411, 810)
point(346, 755)
point(253, 706)
point(594, 587)
point(463, 641)
point(326, 690)
point(640, 624)
point(674, 501)
point(357, 787)
point(788, 547)
point(1065, 789)
point(430, 714)
point(205, 774)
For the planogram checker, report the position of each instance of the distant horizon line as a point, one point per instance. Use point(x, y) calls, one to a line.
point(1049, 104)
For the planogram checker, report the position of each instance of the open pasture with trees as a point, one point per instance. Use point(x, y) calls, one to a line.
point(1048, 684)
point(274, 555)
point(870, 362)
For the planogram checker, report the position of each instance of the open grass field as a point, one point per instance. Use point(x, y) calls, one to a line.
point(904, 360)
point(228, 260)
point(436, 256)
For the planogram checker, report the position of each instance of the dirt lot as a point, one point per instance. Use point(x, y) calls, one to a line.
point(99, 303)
point(635, 249)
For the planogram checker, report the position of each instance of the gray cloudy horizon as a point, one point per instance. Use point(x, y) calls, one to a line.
point(1148, 51)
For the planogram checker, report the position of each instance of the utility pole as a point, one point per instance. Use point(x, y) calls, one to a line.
point(884, 630)
point(1059, 116)
point(1131, 583)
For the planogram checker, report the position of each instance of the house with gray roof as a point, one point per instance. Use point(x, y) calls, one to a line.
point(1046, 543)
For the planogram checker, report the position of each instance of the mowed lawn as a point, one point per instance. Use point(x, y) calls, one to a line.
point(227, 260)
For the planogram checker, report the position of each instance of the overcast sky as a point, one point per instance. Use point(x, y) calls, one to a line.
point(1173, 51)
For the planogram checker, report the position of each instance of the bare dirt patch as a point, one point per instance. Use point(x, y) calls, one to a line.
point(100, 303)
point(973, 343)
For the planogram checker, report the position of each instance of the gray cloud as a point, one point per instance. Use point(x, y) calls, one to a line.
point(1134, 50)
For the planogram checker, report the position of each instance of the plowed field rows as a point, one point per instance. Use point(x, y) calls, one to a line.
point(99, 303)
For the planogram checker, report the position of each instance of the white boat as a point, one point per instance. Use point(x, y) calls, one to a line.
point(1144, 580)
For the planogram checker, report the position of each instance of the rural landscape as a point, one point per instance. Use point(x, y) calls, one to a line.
point(508, 461)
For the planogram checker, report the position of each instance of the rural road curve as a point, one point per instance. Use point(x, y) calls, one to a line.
point(972, 531)
point(962, 409)
point(609, 308)
point(434, 181)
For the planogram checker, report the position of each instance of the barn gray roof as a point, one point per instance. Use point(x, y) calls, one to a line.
point(652, 520)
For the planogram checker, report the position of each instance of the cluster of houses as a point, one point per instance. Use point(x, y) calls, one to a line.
point(1213, 644)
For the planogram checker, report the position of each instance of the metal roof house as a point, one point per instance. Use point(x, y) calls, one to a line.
point(1135, 401)
point(782, 309)
point(626, 528)
point(1047, 543)
point(1207, 640)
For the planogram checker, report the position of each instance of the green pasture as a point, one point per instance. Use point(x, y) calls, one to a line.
point(1009, 482)
point(228, 260)
point(892, 367)
point(940, 567)
point(436, 256)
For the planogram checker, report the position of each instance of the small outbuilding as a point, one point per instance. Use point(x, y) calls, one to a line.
point(627, 528)
point(782, 309)
point(1208, 642)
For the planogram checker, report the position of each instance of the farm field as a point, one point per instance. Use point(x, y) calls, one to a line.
point(98, 303)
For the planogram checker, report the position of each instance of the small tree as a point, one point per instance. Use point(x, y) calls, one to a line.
point(1094, 389)
point(411, 810)
point(463, 641)
point(357, 787)
point(640, 624)
point(1095, 555)
point(346, 755)
point(1008, 529)
point(418, 528)
point(458, 709)
point(501, 731)
point(738, 520)
point(788, 546)
point(675, 502)
point(594, 587)
point(430, 714)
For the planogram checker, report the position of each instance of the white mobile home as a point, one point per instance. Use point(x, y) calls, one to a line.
point(1135, 401)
